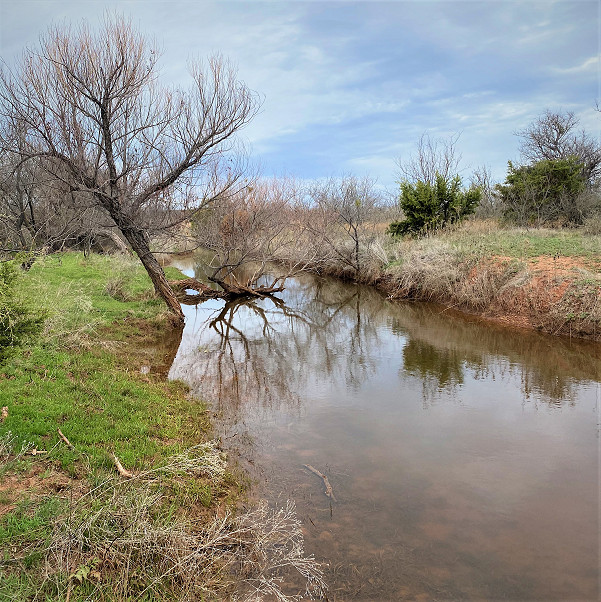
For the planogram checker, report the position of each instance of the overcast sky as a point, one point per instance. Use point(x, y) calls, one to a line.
point(349, 87)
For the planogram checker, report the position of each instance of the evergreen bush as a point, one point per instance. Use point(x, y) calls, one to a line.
point(430, 206)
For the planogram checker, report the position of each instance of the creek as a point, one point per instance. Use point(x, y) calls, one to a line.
point(463, 455)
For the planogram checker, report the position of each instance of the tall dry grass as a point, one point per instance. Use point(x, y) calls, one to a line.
point(123, 540)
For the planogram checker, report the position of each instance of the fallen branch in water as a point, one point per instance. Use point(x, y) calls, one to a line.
point(120, 469)
point(229, 291)
point(329, 490)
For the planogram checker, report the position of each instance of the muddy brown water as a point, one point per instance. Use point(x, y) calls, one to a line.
point(464, 457)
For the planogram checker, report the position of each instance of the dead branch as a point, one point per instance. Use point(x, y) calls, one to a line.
point(69, 444)
point(329, 491)
point(120, 469)
point(229, 292)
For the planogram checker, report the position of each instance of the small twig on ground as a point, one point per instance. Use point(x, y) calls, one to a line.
point(69, 590)
point(4, 414)
point(329, 491)
point(69, 444)
point(120, 469)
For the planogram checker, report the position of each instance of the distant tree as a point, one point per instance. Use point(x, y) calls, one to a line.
point(432, 157)
point(342, 219)
point(555, 135)
point(428, 207)
point(92, 113)
point(546, 191)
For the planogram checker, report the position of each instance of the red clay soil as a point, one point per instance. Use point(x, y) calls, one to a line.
point(560, 296)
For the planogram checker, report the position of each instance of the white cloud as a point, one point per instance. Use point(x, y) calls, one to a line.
point(364, 80)
point(589, 65)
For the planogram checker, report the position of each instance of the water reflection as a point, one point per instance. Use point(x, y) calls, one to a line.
point(267, 352)
point(463, 455)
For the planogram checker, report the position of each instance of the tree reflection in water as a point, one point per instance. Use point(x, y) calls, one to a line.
point(323, 333)
point(266, 353)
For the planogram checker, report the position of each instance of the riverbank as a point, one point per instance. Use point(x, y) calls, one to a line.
point(542, 279)
point(110, 484)
point(548, 280)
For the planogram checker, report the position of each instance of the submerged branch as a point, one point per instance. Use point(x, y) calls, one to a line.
point(229, 291)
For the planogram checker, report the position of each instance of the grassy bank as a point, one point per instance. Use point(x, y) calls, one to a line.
point(131, 499)
point(545, 279)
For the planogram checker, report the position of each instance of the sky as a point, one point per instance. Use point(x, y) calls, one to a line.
point(348, 87)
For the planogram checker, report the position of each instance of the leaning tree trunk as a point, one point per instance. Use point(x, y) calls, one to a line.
point(135, 237)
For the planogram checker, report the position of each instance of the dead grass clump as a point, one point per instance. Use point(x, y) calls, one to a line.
point(487, 281)
point(592, 224)
point(430, 269)
point(8, 454)
point(125, 268)
point(124, 539)
point(579, 309)
point(70, 323)
point(116, 288)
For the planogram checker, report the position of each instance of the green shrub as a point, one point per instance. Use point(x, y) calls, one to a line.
point(430, 206)
point(17, 319)
point(548, 191)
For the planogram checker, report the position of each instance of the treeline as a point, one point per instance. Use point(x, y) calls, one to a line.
point(96, 155)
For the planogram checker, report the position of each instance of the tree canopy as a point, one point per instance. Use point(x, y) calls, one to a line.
point(429, 206)
point(90, 110)
point(546, 191)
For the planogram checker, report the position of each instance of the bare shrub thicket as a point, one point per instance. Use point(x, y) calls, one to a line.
point(342, 218)
point(39, 212)
point(489, 206)
point(247, 231)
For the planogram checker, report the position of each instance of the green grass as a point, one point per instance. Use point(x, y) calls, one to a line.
point(82, 375)
point(68, 379)
point(523, 243)
point(96, 405)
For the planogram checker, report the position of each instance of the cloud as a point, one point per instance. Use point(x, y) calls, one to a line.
point(589, 65)
point(352, 85)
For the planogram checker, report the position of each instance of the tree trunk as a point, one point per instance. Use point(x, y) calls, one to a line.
point(135, 237)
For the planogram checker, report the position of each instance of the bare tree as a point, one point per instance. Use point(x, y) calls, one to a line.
point(432, 157)
point(248, 231)
point(95, 117)
point(39, 214)
point(341, 218)
point(489, 205)
point(555, 135)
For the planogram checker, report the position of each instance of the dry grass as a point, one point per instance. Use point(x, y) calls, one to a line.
point(123, 539)
point(543, 278)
